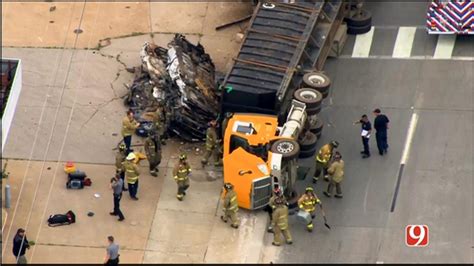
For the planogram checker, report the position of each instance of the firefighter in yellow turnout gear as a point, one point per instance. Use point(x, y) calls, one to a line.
point(323, 159)
point(181, 176)
point(308, 202)
point(230, 206)
point(211, 145)
point(277, 193)
point(280, 223)
point(132, 174)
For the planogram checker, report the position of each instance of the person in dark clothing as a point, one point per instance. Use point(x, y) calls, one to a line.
point(117, 185)
point(381, 125)
point(20, 244)
point(366, 129)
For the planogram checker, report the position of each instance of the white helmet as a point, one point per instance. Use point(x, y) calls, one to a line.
point(131, 156)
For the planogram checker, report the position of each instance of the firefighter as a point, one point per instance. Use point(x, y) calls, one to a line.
point(323, 160)
point(230, 207)
point(280, 223)
point(181, 175)
point(277, 194)
point(227, 117)
point(119, 159)
point(129, 125)
point(153, 151)
point(336, 171)
point(211, 145)
point(159, 125)
point(307, 202)
point(132, 174)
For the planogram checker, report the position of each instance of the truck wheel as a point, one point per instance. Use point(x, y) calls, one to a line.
point(288, 148)
point(358, 30)
point(360, 19)
point(311, 97)
point(314, 111)
point(309, 142)
point(317, 127)
point(308, 153)
point(318, 81)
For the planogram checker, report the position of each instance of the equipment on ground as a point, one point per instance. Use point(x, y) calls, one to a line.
point(74, 184)
point(62, 219)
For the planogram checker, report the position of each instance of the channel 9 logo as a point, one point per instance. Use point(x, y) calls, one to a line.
point(416, 235)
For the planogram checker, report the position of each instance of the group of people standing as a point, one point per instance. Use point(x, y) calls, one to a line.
point(330, 165)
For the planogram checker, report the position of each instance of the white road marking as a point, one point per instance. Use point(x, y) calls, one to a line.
point(363, 43)
point(445, 46)
point(408, 141)
point(404, 42)
point(416, 57)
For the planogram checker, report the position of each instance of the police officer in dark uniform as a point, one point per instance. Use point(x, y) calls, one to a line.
point(366, 129)
point(381, 126)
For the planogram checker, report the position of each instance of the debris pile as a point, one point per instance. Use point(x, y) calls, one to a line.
point(182, 80)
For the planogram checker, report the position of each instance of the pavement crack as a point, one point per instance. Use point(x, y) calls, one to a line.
point(101, 106)
point(117, 58)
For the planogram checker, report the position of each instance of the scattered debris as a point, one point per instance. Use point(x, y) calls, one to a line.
point(49, 168)
point(97, 195)
point(51, 9)
point(233, 22)
point(90, 214)
point(182, 79)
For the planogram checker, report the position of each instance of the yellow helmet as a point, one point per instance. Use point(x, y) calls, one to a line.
point(309, 189)
point(228, 186)
point(122, 146)
point(182, 156)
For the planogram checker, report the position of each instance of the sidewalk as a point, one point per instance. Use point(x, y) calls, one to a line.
point(191, 231)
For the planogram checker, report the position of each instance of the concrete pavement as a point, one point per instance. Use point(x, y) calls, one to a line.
point(70, 109)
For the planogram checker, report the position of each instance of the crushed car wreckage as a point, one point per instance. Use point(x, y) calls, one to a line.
point(181, 79)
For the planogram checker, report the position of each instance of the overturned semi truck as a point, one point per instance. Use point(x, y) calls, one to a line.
point(272, 96)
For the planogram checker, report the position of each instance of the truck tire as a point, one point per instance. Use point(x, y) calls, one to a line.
point(309, 142)
point(311, 97)
point(363, 18)
point(317, 127)
point(318, 81)
point(308, 153)
point(288, 148)
point(358, 30)
point(314, 111)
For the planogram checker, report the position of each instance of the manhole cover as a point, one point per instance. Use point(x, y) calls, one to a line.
point(77, 31)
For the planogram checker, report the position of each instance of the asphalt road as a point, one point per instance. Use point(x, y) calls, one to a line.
point(436, 185)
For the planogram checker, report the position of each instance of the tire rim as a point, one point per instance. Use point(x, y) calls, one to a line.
point(268, 5)
point(309, 95)
point(316, 79)
point(285, 147)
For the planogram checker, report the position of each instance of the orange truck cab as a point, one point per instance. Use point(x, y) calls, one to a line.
point(248, 158)
point(246, 142)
